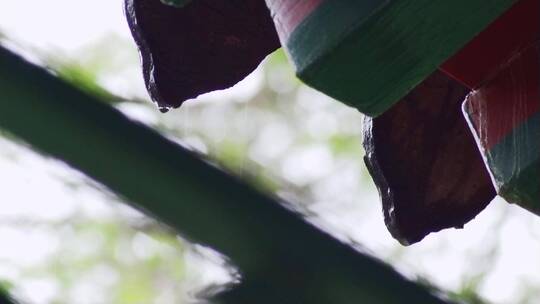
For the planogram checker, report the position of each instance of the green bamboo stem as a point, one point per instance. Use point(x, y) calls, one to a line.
point(282, 258)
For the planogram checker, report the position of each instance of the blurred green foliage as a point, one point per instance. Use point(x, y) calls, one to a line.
point(258, 234)
point(226, 131)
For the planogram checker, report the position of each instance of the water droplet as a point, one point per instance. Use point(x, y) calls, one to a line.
point(176, 3)
point(164, 109)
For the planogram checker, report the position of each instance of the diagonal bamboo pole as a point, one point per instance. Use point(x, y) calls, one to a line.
point(282, 258)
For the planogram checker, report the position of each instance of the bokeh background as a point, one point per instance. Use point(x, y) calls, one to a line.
point(67, 239)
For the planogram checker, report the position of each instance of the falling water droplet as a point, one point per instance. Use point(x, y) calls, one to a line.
point(176, 3)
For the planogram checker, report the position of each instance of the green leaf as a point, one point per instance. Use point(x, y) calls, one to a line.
point(4, 294)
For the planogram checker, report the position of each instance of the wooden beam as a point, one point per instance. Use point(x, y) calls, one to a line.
point(484, 57)
point(425, 162)
point(369, 54)
point(504, 114)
